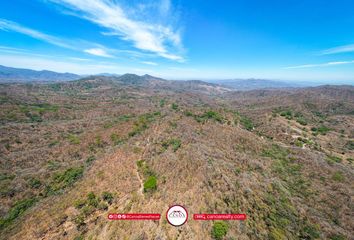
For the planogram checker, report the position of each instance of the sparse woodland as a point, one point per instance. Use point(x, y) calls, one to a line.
point(72, 152)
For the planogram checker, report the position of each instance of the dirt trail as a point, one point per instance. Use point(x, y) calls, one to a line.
point(141, 189)
point(150, 139)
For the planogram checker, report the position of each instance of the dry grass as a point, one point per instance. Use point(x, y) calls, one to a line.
point(204, 155)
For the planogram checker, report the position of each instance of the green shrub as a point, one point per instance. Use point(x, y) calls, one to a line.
point(175, 143)
point(79, 220)
point(298, 114)
point(87, 210)
point(338, 176)
point(188, 114)
point(165, 144)
point(281, 215)
point(6, 176)
point(69, 176)
point(53, 165)
point(276, 234)
point(35, 111)
point(162, 102)
point(44, 107)
point(219, 230)
point(108, 197)
point(108, 125)
point(247, 123)
point(123, 118)
point(320, 130)
point(287, 114)
point(137, 130)
point(150, 184)
point(208, 115)
point(53, 143)
point(173, 124)
point(79, 203)
point(79, 237)
point(301, 120)
point(298, 143)
point(237, 171)
point(320, 115)
point(142, 123)
point(116, 139)
point(174, 106)
point(144, 169)
point(17, 210)
point(73, 139)
point(63, 180)
point(350, 145)
point(285, 167)
point(275, 152)
point(34, 117)
point(213, 115)
point(98, 142)
point(6, 190)
point(90, 160)
point(92, 200)
point(140, 163)
point(34, 183)
point(332, 159)
point(337, 237)
point(309, 232)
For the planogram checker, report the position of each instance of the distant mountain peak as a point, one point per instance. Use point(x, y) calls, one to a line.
point(10, 74)
point(130, 75)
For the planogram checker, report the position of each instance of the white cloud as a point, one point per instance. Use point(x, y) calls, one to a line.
point(6, 25)
point(80, 59)
point(156, 38)
point(320, 64)
point(340, 49)
point(150, 63)
point(17, 51)
point(58, 64)
point(98, 52)
point(12, 26)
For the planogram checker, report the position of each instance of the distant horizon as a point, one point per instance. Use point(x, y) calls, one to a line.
point(299, 82)
point(332, 81)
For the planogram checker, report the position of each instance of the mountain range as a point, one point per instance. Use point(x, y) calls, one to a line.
point(11, 75)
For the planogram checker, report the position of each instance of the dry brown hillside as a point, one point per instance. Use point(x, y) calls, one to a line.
point(70, 153)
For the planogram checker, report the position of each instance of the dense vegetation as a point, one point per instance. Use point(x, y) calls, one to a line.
point(219, 230)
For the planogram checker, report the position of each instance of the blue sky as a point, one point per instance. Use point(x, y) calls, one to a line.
point(300, 40)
